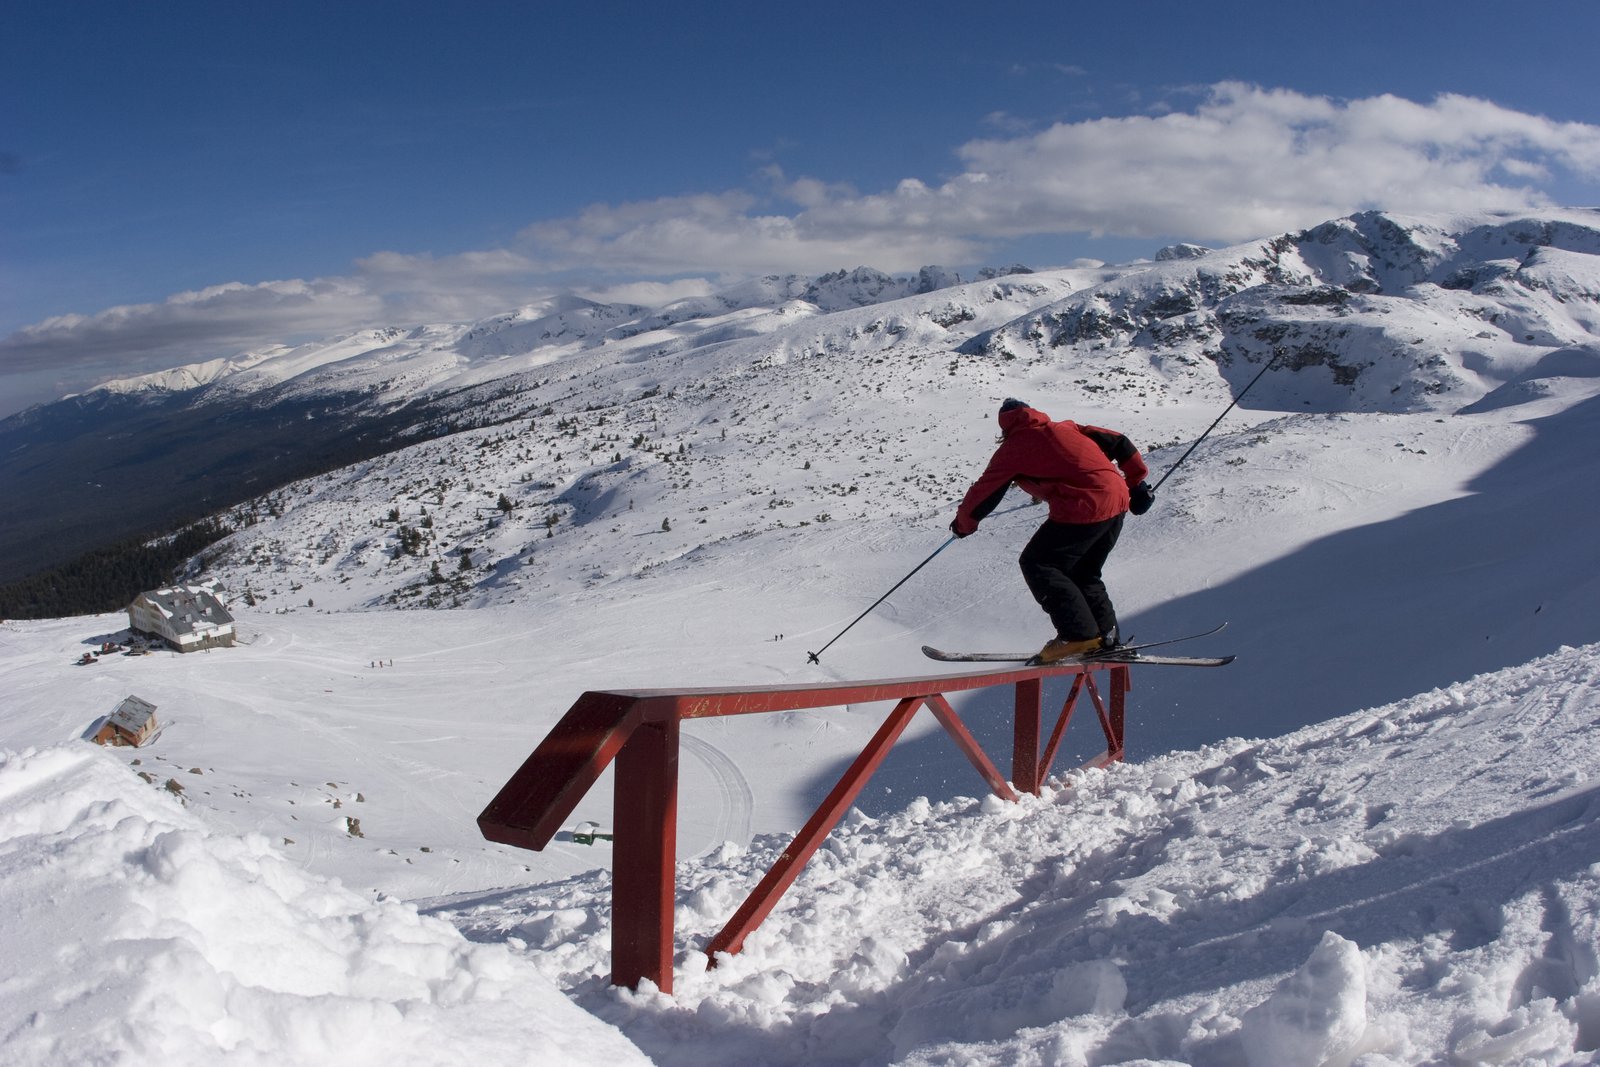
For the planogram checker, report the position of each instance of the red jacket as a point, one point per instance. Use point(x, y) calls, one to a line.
point(1082, 472)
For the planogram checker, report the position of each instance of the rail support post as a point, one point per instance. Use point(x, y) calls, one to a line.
point(646, 841)
point(1121, 682)
point(1026, 725)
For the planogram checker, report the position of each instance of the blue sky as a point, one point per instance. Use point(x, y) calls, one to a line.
point(181, 181)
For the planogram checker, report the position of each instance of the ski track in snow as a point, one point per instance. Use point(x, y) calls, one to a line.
point(735, 801)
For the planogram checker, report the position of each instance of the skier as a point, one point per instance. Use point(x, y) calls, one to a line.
point(1090, 477)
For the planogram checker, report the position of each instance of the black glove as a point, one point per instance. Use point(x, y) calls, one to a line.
point(960, 530)
point(1140, 497)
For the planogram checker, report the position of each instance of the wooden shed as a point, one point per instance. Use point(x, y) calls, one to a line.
point(131, 725)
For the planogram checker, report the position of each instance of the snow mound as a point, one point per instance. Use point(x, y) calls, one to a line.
point(132, 933)
point(1317, 1013)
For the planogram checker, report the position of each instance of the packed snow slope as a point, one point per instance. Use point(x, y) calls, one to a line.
point(1405, 500)
point(1413, 884)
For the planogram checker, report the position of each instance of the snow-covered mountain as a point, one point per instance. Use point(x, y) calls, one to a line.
point(779, 418)
point(1404, 502)
point(1371, 313)
point(401, 365)
point(181, 443)
point(1384, 313)
point(1472, 293)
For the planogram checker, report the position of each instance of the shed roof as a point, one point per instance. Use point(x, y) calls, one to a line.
point(132, 714)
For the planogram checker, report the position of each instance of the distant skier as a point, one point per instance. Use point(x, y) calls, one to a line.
point(1090, 477)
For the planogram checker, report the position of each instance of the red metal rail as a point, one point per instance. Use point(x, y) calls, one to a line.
point(639, 730)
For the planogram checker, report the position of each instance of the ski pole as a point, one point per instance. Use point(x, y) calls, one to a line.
point(1219, 418)
point(813, 656)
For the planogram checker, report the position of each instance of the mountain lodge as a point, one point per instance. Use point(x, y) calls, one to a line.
point(185, 617)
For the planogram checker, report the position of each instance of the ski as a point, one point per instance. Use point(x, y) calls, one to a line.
point(1159, 661)
point(1124, 652)
point(1074, 661)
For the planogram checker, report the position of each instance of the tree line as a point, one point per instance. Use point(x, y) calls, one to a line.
point(107, 579)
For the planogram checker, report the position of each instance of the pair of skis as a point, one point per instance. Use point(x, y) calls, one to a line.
point(1120, 654)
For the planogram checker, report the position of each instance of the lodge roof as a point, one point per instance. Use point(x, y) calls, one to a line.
point(189, 608)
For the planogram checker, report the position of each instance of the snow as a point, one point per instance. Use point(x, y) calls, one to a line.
point(1414, 882)
point(1373, 840)
point(136, 933)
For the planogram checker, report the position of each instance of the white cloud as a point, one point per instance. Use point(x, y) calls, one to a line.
point(221, 315)
point(1245, 162)
point(724, 234)
point(1249, 162)
point(650, 293)
point(69, 353)
point(426, 288)
point(1519, 168)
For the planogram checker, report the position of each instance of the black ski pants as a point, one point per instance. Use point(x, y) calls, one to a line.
point(1061, 565)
